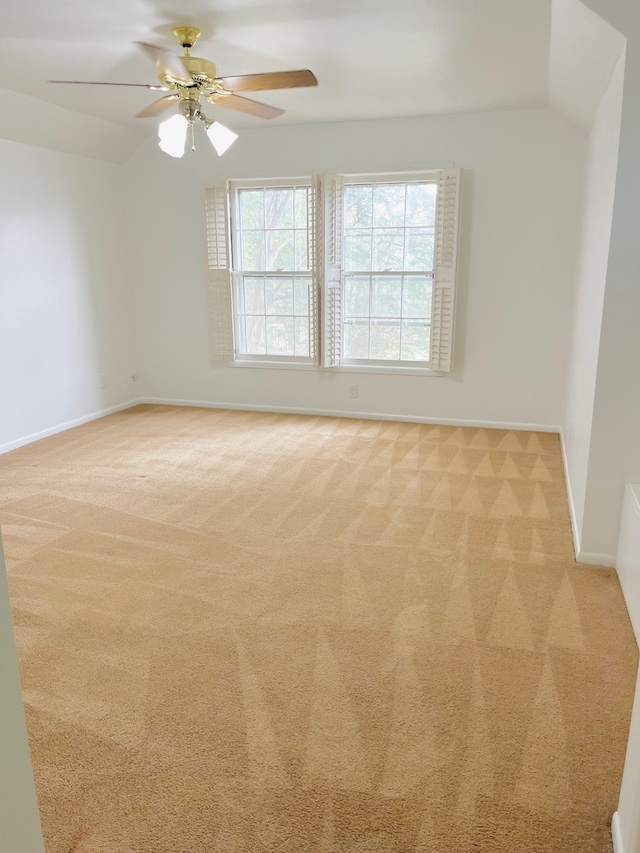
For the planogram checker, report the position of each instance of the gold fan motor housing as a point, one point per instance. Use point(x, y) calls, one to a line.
point(203, 72)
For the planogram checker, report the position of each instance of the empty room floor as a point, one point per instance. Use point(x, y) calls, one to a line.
point(263, 633)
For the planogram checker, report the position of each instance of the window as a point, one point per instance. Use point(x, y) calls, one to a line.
point(388, 250)
point(273, 258)
point(379, 250)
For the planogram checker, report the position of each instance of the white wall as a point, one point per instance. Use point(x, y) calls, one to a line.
point(602, 161)
point(626, 822)
point(19, 819)
point(521, 195)
point(64, 310)
point(583, 53)
point(614, 456)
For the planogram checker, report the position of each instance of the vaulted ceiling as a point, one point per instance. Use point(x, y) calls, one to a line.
point(372, 58)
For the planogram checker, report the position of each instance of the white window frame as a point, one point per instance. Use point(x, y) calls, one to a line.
point(445, 259)
point(237, 274)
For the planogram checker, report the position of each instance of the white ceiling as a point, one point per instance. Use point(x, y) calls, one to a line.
point(373, 58)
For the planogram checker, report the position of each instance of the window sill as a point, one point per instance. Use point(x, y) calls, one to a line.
point(381, 369)
point(345, 368)
point(273, 365)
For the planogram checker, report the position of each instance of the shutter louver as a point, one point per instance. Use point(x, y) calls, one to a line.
point(447, 219)
point(219, 273)
point(332, 349)
point(315, 262)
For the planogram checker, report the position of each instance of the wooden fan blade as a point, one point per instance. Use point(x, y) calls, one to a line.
point(167, 62)
point(271, 80)
point(102, 83)
point(244, 105)
point(158, 106)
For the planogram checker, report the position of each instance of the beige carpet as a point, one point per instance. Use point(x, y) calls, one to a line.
point(254, 633)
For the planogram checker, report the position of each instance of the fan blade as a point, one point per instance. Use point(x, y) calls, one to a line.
point(271, 80)
point(158, 106)
point(167, 62)
point(244, 105)
point(102, 83)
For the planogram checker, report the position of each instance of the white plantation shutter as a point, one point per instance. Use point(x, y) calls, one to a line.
point(219, 271)
point(315, 262)
point(332, 303)
point(444, 280)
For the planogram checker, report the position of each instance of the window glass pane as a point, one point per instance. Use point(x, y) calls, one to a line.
point(416, 337)
point(302, 336)
point(252, 250)
point(357, 296)
point(421, 204)
point(419, 255)
point(301, 255)
point(280, 250)
point(356, 339)
point(251, 204)
point(254, 335)
point(388, 249)
point(279, 295)
point(416, 297)
point(301, 296)
point(252, 289)
point(301, 203)
point(388, 205)
point(280, 336)
point(358, 206)
point(278, 208)
point(386, 296)
point(357, 250)
point(385, 339)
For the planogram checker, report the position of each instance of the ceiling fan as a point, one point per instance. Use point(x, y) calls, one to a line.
point(188, 79)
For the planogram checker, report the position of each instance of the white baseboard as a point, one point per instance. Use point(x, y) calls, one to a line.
point(340, 413)
point(616, 834)
point(45, 433)
point(588, 558)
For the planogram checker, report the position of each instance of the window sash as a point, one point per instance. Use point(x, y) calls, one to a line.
point(360, 311)
point(371, 229)
point(264, 320)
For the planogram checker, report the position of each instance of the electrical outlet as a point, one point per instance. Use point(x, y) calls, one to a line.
point(103, 380)
point(353, 392)
point(134, 377)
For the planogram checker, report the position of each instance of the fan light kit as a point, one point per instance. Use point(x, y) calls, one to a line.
point(188, 79)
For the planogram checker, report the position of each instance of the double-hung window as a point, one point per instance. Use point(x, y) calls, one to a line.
point(388, 253)
point(391, 246)
point(377, 252)
point(270, 266)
